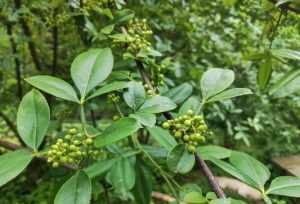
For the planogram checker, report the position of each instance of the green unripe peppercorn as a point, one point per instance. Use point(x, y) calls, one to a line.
point(186, 138)
point(191, 148)
point(166, 125)
point(55, 164)
point(188, 122)
point(178, 134)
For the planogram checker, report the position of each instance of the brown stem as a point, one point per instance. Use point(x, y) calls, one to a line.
point(211, 179)
point(16, 59)
point(200, 162)
point(28, 34)
point(12, 126)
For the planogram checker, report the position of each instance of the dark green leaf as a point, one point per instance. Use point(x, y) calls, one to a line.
point(117, 131)
point(215, 80)
point(135, 96)
point(54, 86)
point(180, 160)
point(90, 68)
point(163, 137)
point(99, 168)
point(285, 186)
point(230, 93)
point(179, 93)
point(12, 164)
point(251, 167)
point(33, 118)
point(217, 152)
point(147, 119)
point(158, 104)
point(114, 86)
point(264, 73)
point(76, 190)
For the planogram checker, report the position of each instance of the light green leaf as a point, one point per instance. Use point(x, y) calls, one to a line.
point(117, 131)
point(230, 93)
point(122, 175)
point(233, 171)
point(179, 160)
point(285, 186)
point(215, 80)
point(213, 151)
point(114, 86)
point(54, 86)
point(147, 119)
point(158, 104)
point(163, 137)
point(193, 103)
point(287, 85)
point(179, 93)
point(90, 68)
point(76, 190)
point(33, 118)
point(264, 73)
point(99, 168)
point(135, 96)
point(12, 164)
point(286, 53)
point(143, 184)
point(194, 198)
point(251, 167)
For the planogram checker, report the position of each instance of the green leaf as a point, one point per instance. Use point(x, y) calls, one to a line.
point(264, 73)
point(287, 85)
point(135, 96)
point(217, 152)
point(147, 119)
point(117, 131)
point(194, 198)
point(285, 186)
point(215, 80)
point(163, 137)
point(90, 68)
point(179, 93)
point(227, 201)
point(179, 160)
point(233, 171)
point(143, 184)
point(230, 93)
point(193, 103)
point(158, 104)
point(54, 86)
point(122, 175)
point(114, 86)
point(33, 118)
point(251, 167)
point(286, 53)
point(76, 190)
point(99, 168)
point(12, 164)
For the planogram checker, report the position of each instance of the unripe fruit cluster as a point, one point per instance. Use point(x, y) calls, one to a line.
point(96, 4)
point(189, 129)
point(138, 31)
point(72, 149)
point(149, 90)
point(113, 98)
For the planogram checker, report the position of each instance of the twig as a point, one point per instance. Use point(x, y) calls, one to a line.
point(275, 29)
point(287, 7)
point(28, 34)
point(200, 162)
point(16, 59)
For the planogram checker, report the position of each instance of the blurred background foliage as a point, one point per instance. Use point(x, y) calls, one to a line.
point(43, 37)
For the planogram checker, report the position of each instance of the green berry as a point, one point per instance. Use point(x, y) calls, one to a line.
point(68, 137)
point(73, 131)
point(188, 122)
point(55, 164)
point(190, 112)
point(178, 134)
point(166, 125)
point(186, 138)
point(89, 141)
point(191, 148)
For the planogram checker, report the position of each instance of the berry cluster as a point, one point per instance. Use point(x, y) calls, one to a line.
point(189, 128)
point(72, 149)
point(138, 32)
point(113, 98)
point(149, 90)
point(98, 4)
